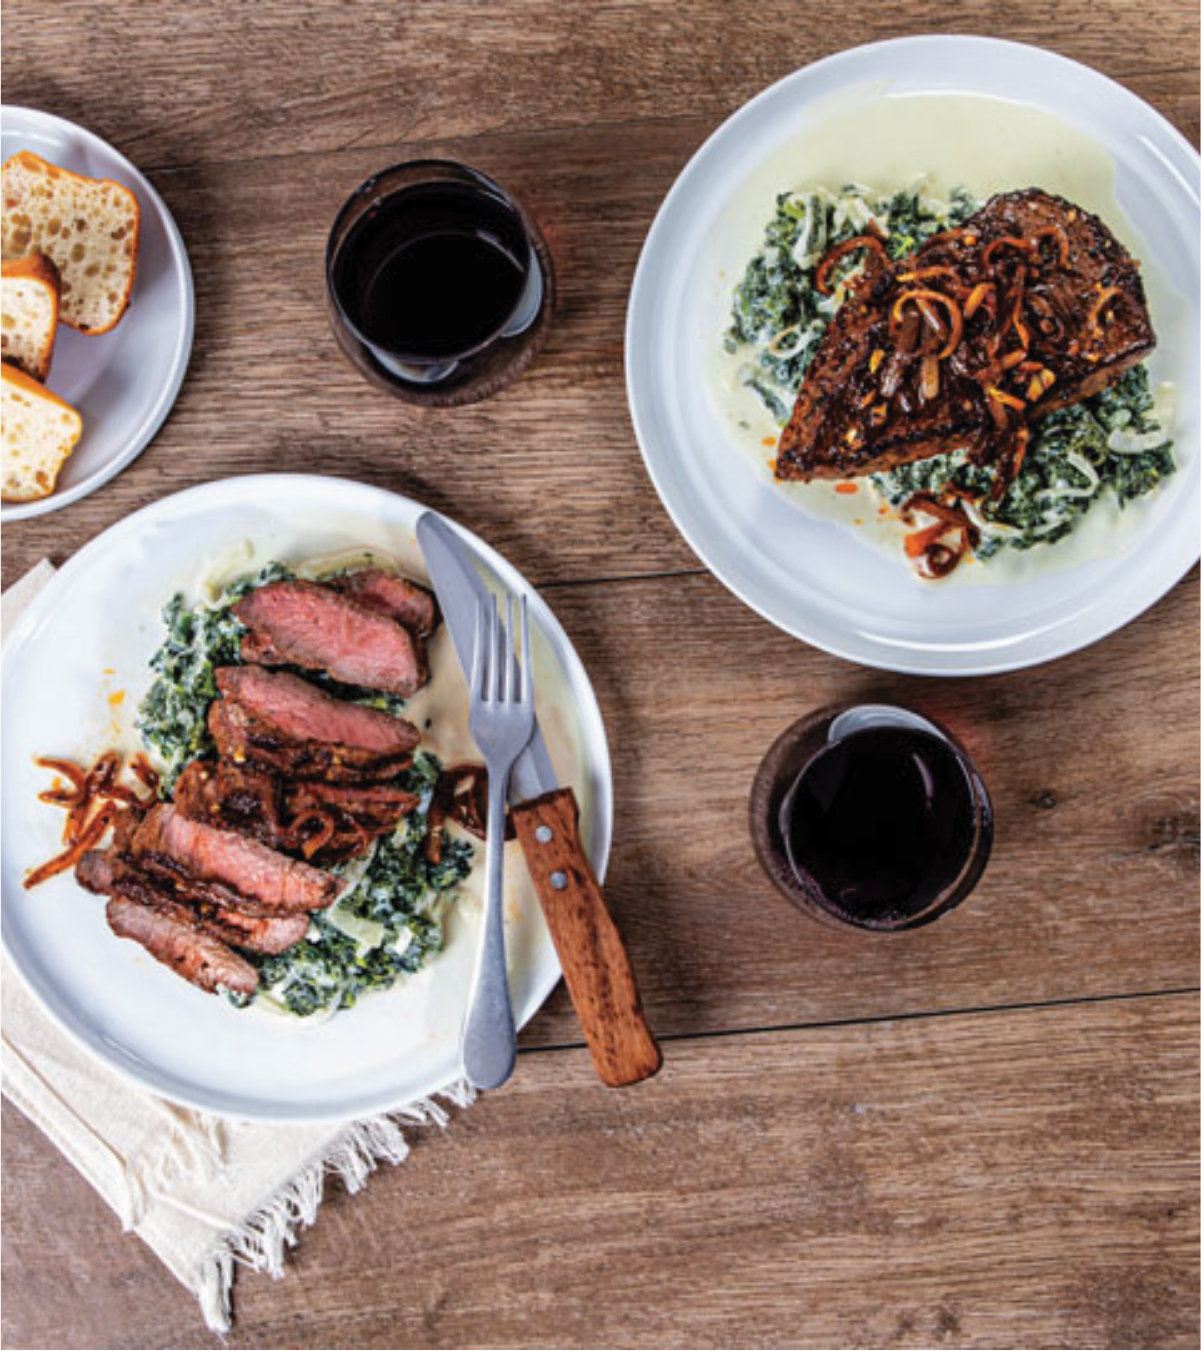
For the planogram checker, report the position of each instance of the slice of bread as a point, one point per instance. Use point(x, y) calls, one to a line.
point(39, 432)
point(29, 313)
point(88, 226)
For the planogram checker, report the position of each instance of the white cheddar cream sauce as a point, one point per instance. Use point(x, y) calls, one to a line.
point(889, 143)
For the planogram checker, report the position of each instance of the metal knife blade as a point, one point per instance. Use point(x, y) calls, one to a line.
point(459, 588)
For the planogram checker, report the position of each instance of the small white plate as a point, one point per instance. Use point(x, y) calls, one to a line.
point(124, 382)
point(74, 669)
point(816, 579)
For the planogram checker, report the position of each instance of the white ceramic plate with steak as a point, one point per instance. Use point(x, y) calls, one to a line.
point(76, 667)
point(936, 120)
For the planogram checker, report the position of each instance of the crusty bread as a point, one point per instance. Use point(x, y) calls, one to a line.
point(39, 432)
point(29, 313)
point(88, 226)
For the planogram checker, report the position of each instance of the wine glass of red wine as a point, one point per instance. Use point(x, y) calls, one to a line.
point(873, 816)
point(439, 285)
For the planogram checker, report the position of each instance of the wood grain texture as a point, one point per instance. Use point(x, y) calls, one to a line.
point(255, 81)
point(1091, 888)
point(804, 1171)
point(833, 1187)
point(596, 965)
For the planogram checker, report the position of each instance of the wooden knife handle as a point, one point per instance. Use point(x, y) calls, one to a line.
point(595, 963)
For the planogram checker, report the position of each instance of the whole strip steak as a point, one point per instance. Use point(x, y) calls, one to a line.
point(1030, 305)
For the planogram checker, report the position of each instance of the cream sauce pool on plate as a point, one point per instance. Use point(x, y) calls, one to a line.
point(888, 143)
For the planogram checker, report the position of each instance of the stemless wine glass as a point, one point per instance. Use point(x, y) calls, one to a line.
point(873, 816)
point(439, 285)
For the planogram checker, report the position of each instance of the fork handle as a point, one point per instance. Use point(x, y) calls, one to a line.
point(489, 1045)
point(595, 963)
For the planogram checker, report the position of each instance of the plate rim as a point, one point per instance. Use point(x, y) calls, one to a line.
point(150, 424)
point(916, 659)
point(588, 711)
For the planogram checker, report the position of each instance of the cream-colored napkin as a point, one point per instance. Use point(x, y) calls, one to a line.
point(203, 1192)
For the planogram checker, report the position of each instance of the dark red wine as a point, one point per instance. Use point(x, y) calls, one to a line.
point(433, 271)
point(880, 824)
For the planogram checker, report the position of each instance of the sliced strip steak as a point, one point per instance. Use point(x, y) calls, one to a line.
point(197, 957)
point(321, 629)
point(301, 712)
point(276, 883)
point(402, 600)
point(110, 873)
point(275, 720)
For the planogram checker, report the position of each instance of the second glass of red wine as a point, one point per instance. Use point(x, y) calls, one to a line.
point(872, 816)
point(440, 286)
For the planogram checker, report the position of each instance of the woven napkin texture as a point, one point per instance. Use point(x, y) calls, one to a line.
point(205, 1193)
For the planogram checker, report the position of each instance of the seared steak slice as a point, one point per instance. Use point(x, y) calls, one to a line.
point(241, 737)
point(302, 712)
point(402, 600)
point(167, 841)
point(197, 957)
point(1030, 305)
point(276, 720)
point(320, 629)
point(111, 873)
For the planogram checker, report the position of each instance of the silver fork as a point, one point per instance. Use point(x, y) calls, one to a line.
point(502, 723)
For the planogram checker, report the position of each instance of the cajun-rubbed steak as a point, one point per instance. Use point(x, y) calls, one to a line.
point(1030, 305)
point(196, 956)
point(276, 720)
point(404, 601)
point(321, 629)
point(171, 843)
point(111, 873)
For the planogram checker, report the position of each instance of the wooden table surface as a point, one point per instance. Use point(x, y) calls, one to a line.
point(983, 1133)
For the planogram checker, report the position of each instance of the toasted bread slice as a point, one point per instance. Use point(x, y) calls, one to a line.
point(39, 432)
point(29, 313)
point(89, 227)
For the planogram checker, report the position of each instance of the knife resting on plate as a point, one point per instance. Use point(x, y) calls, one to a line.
point(545, 816)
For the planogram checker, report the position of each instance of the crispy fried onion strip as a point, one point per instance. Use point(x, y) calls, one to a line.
point(835, 256)
point(94, 800)
point(937, 549)
point(461, 795)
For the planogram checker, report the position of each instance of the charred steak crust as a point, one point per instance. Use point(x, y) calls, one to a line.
point(319, 628)
point(833, 432)
point(198, 957)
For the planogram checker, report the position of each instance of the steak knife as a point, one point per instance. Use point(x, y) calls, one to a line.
point(545, 816)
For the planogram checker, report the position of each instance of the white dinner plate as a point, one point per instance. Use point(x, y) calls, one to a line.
point(124, 382)
point(74, 669)
point(817, 579)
